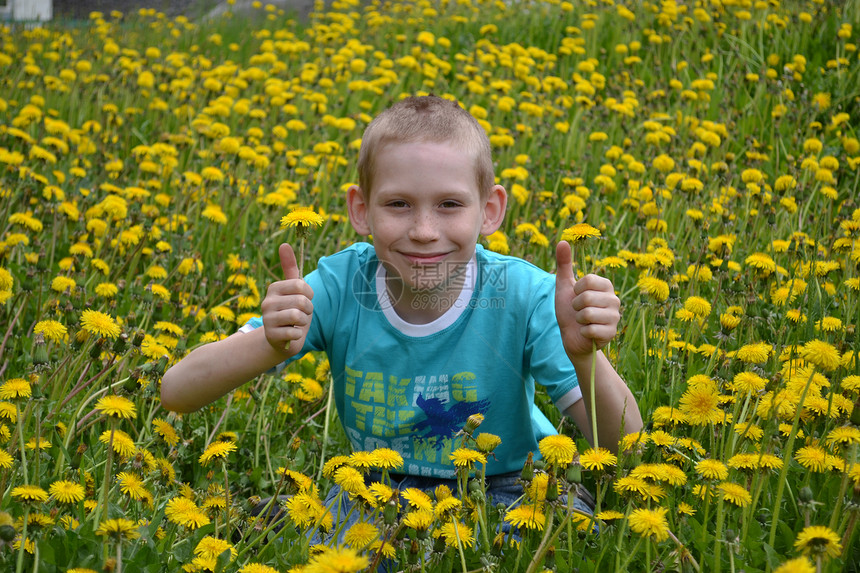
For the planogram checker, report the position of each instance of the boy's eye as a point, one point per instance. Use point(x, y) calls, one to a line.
point(450, 204)
point(397, 204)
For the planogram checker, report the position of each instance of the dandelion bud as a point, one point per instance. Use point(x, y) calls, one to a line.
point(138, 339)
point(161, 366)
point(412, 556)
point(7, 532)
point(551, 489)
point(549, 559)
point(96, 350)
point(528, 472)
point(498, 543)
point(29, 281)
point(40, 351)
point(805, 495)
point(855, 414)
point(439, 545)
point(472, 423)
point(389, 514)
point(574, 474)
point(119, 343)
point(110, 565)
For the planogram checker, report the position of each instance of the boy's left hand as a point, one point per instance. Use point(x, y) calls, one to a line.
point(587, 309)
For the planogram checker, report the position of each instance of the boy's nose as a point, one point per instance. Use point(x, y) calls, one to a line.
point(424, 228)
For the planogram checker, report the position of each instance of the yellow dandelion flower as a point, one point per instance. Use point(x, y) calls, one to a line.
point(467, 458)
point(649, 523)
point(15, 388)
point(812, 457)
point(117, 407)
point(386, 458)
point(52, 330)
point(822, 354)
point(818, 540)
point(118, 529)
point(557, 450)
point(132, 486)
point(419, 520)
point(748, 382)
point(701, 406)
point(29, 493)
point(337, 560)
point(579, 232)
point(526, 517)
point(65, 491)
point(456, 533)
point(417, 499)
point(656, 288)
point(257, 568)
point(184, 512)
point(735, 493)
point(597, 459)
point(302, 218)
point(122, 442)
point(215, 451)
point(211, 548)
point(99, 324)
point(756, 353)
point(166, 431)
point(360, 535)
point(697, 306)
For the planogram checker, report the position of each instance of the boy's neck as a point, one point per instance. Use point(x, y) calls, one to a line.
point(425, 306)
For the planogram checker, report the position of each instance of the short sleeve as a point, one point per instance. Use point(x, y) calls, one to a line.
point(548, 362)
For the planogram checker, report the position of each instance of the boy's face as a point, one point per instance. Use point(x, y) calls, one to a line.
point(425, 213)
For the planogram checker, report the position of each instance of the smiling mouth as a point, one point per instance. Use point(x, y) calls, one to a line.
point(428, 259)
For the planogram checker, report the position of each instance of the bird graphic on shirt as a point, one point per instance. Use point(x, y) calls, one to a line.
point(444, 422)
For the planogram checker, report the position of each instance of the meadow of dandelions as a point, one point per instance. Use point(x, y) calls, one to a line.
point(149, 168)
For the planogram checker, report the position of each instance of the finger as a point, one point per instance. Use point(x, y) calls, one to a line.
point(594, 283)
point(596, 299)
point(594, 315)
point(564, 262)
point(288, 262)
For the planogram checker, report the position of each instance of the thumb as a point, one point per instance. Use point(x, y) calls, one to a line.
point(564, 262)
point(288, 262)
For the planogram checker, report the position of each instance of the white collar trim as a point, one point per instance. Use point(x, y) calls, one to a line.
point(438, 325)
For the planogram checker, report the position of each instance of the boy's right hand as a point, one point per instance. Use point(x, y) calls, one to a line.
point(287, 308)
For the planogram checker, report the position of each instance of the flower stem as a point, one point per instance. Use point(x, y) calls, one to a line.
point(108, 466)
point(21, 442)
point(592, 394)
point(19, 566)
point(226, 498)
point(328, 408)
point(789, 446)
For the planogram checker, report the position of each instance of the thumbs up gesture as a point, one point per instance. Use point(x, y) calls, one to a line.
point(287, 308)
point(586, 309)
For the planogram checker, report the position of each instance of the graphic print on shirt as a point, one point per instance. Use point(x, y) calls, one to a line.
point(418, 417)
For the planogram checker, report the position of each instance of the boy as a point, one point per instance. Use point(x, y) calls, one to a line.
point(425, 328)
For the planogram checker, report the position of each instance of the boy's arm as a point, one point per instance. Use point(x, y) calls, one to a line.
point(212, 370)
point(588, 313)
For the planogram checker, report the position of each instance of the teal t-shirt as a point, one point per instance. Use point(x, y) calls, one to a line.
point(411, 387)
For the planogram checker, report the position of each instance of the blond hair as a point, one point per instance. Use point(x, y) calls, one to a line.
point(426, 119)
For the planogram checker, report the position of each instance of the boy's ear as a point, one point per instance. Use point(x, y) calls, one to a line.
point(494, 210)
point(357, 207)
